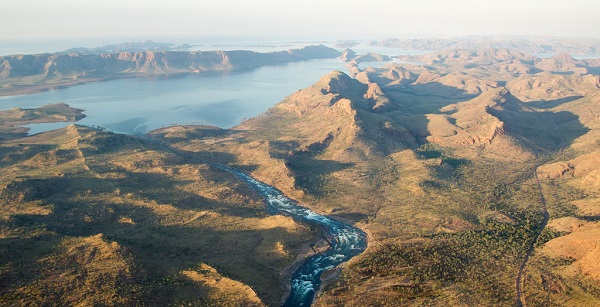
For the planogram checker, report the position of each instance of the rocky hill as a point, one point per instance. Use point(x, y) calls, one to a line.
point(475, 57)
point(462, 172)
point(436, 163)
point(495, 61)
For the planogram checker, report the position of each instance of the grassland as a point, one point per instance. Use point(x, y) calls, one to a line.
point(437, 167)
point(436, 163)
point(92, 217)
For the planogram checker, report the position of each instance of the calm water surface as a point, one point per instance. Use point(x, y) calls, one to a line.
point(139, 105)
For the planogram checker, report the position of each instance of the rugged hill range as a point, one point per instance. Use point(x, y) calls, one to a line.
point(27, 73)
point(438, 164)
point(527, 44)
point(474, 176)
point(508, 60)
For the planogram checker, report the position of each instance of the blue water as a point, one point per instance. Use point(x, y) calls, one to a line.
point(346, 242)
point(139, 105)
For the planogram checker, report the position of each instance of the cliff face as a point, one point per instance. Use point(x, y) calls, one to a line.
point(435, 162)
point(52, 69)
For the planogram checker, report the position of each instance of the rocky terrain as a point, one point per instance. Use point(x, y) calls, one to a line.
point(437, 163)
point(27, 73)
point(527, 44)
point(466, 172)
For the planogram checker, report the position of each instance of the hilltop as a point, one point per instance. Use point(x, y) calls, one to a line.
point(436, 163)
point(462, 171)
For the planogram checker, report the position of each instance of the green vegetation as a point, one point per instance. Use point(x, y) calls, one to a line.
point(439, 164)
point(473, 261)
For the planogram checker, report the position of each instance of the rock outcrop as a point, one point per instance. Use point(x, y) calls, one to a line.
point(60, 68)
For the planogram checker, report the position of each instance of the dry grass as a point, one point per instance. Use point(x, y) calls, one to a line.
point(329, 148)
point(145, 217)
point(434, 162)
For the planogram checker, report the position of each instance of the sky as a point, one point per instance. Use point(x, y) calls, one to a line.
point(293, 19)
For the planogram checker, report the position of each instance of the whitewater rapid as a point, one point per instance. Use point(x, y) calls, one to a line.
point(346, 241)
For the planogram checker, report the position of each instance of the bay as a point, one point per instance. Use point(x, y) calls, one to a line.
point(141, 104)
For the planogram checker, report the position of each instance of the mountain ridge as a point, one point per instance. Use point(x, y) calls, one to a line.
point(451, 170)
point(19, 72)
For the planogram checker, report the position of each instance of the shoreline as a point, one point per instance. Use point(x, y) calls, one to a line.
point(14, 126)
point(306, 252)
point(321, 245)
point(20, 90)
point(11, 89)
point(29, 89)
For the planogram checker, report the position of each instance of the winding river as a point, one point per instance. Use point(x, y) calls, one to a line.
point(346, 241)
point(223, 100)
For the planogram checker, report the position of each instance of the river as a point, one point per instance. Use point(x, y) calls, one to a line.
point(139, 105)
point(346, 241)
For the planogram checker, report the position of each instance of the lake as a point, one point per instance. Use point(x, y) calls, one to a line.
point(142, 104)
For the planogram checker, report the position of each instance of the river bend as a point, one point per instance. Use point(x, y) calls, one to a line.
point(346, 241)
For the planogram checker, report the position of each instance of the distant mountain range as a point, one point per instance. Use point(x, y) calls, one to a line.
point(130, 47)
point(526, 44)
point(513, 60)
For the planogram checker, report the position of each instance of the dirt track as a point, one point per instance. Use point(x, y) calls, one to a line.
point(519, 279)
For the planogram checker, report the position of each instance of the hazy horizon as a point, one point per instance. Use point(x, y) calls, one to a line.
point(308, 19)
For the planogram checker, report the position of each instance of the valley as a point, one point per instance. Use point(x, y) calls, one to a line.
point(474, 176)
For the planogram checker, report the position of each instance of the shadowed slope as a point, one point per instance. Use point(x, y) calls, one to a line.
point(90, 217)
